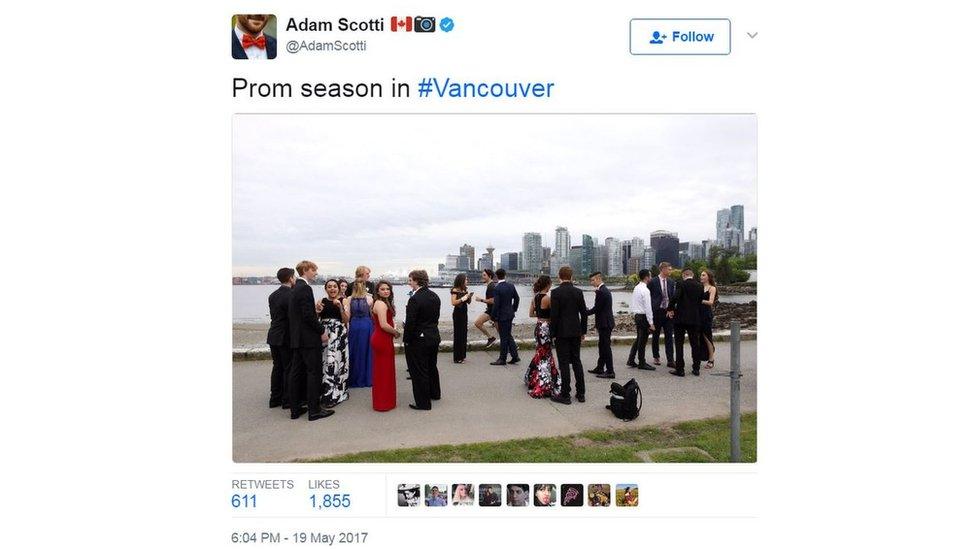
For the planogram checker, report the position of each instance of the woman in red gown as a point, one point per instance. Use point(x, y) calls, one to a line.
point(384, 331)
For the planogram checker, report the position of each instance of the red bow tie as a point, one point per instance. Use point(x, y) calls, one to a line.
point(249, 41)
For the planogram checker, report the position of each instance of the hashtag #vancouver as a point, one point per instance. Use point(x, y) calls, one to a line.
point(449, 88)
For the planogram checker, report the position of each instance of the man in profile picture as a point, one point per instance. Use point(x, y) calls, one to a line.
point(248, 41)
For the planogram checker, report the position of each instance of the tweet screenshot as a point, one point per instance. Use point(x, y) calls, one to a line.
point(492, 280)
point(456, 274)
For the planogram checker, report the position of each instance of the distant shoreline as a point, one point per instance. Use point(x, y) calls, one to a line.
point(250, 335)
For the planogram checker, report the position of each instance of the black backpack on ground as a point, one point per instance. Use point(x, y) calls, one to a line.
point(625, 400)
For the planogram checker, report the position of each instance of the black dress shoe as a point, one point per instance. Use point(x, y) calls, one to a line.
point(596, 371)
point(498, 363)
point(645, 366)
point(657, 361)
point(561, 399)
point(695, 372)
point(607, 375)
point(631, 363)
point(274, 403)
point(285, 406)
point(415, 407)
point(581, 398)
point(679, 373)
point(295, 414)
point(514, 361)
point(320, 414)
point(672, 365)
point(490, 341)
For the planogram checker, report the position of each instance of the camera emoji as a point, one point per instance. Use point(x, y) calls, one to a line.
point(424, 24)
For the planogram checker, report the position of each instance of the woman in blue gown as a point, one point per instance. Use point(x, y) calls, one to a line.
point(360, 331)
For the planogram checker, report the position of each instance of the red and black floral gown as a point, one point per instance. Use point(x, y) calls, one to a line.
point(542, 377)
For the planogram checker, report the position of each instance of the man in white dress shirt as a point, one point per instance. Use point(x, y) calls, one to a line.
point(640, 305)
point(248, 40)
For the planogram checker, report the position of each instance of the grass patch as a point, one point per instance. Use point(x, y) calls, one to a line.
point(604, 446)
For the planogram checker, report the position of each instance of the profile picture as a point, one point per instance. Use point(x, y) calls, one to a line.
point(571, 495)
point(598, 495)
point(545, 495)
point(461, 494)
point(518, 495)
point(489, 495)
point(408, 495)
point(435, 495)
point(253, 36)
point(626, 495)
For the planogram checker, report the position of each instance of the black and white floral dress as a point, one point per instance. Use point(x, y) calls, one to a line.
point(335, 359)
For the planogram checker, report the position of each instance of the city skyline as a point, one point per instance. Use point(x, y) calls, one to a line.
point(300, 189)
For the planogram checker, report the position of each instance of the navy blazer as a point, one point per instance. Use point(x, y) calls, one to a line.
point(506, 301)
point(656, 296)
point(237, 50)
point(603, 309)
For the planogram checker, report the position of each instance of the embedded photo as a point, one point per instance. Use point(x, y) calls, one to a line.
point(495, 289)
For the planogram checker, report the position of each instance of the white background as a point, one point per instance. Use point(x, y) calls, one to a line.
point(115, 144)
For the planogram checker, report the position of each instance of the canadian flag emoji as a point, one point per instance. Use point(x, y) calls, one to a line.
point(405, 24)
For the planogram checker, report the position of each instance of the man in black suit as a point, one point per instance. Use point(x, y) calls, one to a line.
point(504, 305)
point(662, 294)
point(568, 325)
point(248, 40)
point(421, 340)
point(685, 309)
point(307, 337)
point(603, 311)
point(278, 338)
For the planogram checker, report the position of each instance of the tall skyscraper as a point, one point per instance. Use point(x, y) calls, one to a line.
point(510, 261)
point(575, 260)
point(467, 252)
point(600, 262)
point(752, 245)
point(648, 258)
point(722, 218)
point(665, 245)
point(737, 218)
point(615, 258)
point(563, 244)
point(532, 252)
point(587, 253)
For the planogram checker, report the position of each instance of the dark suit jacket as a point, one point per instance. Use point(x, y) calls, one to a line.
point(237, 50)
point(506, 301)
point(603, 309)
point(278, 306)
point(303, 324)
point(568, 310)
point(423, 315)
point(687, 302)
point(656, 295)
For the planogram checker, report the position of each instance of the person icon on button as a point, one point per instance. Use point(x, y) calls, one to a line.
point(657, 38)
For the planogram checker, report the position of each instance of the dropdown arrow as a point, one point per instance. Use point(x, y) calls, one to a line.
point(752, 34)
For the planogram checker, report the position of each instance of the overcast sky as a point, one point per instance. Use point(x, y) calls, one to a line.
point(397, 192)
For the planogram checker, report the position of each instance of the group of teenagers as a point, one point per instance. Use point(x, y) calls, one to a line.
point(321, 348)
point(660, 304)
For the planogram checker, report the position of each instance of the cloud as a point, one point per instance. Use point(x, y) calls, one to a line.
point(400, 191)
